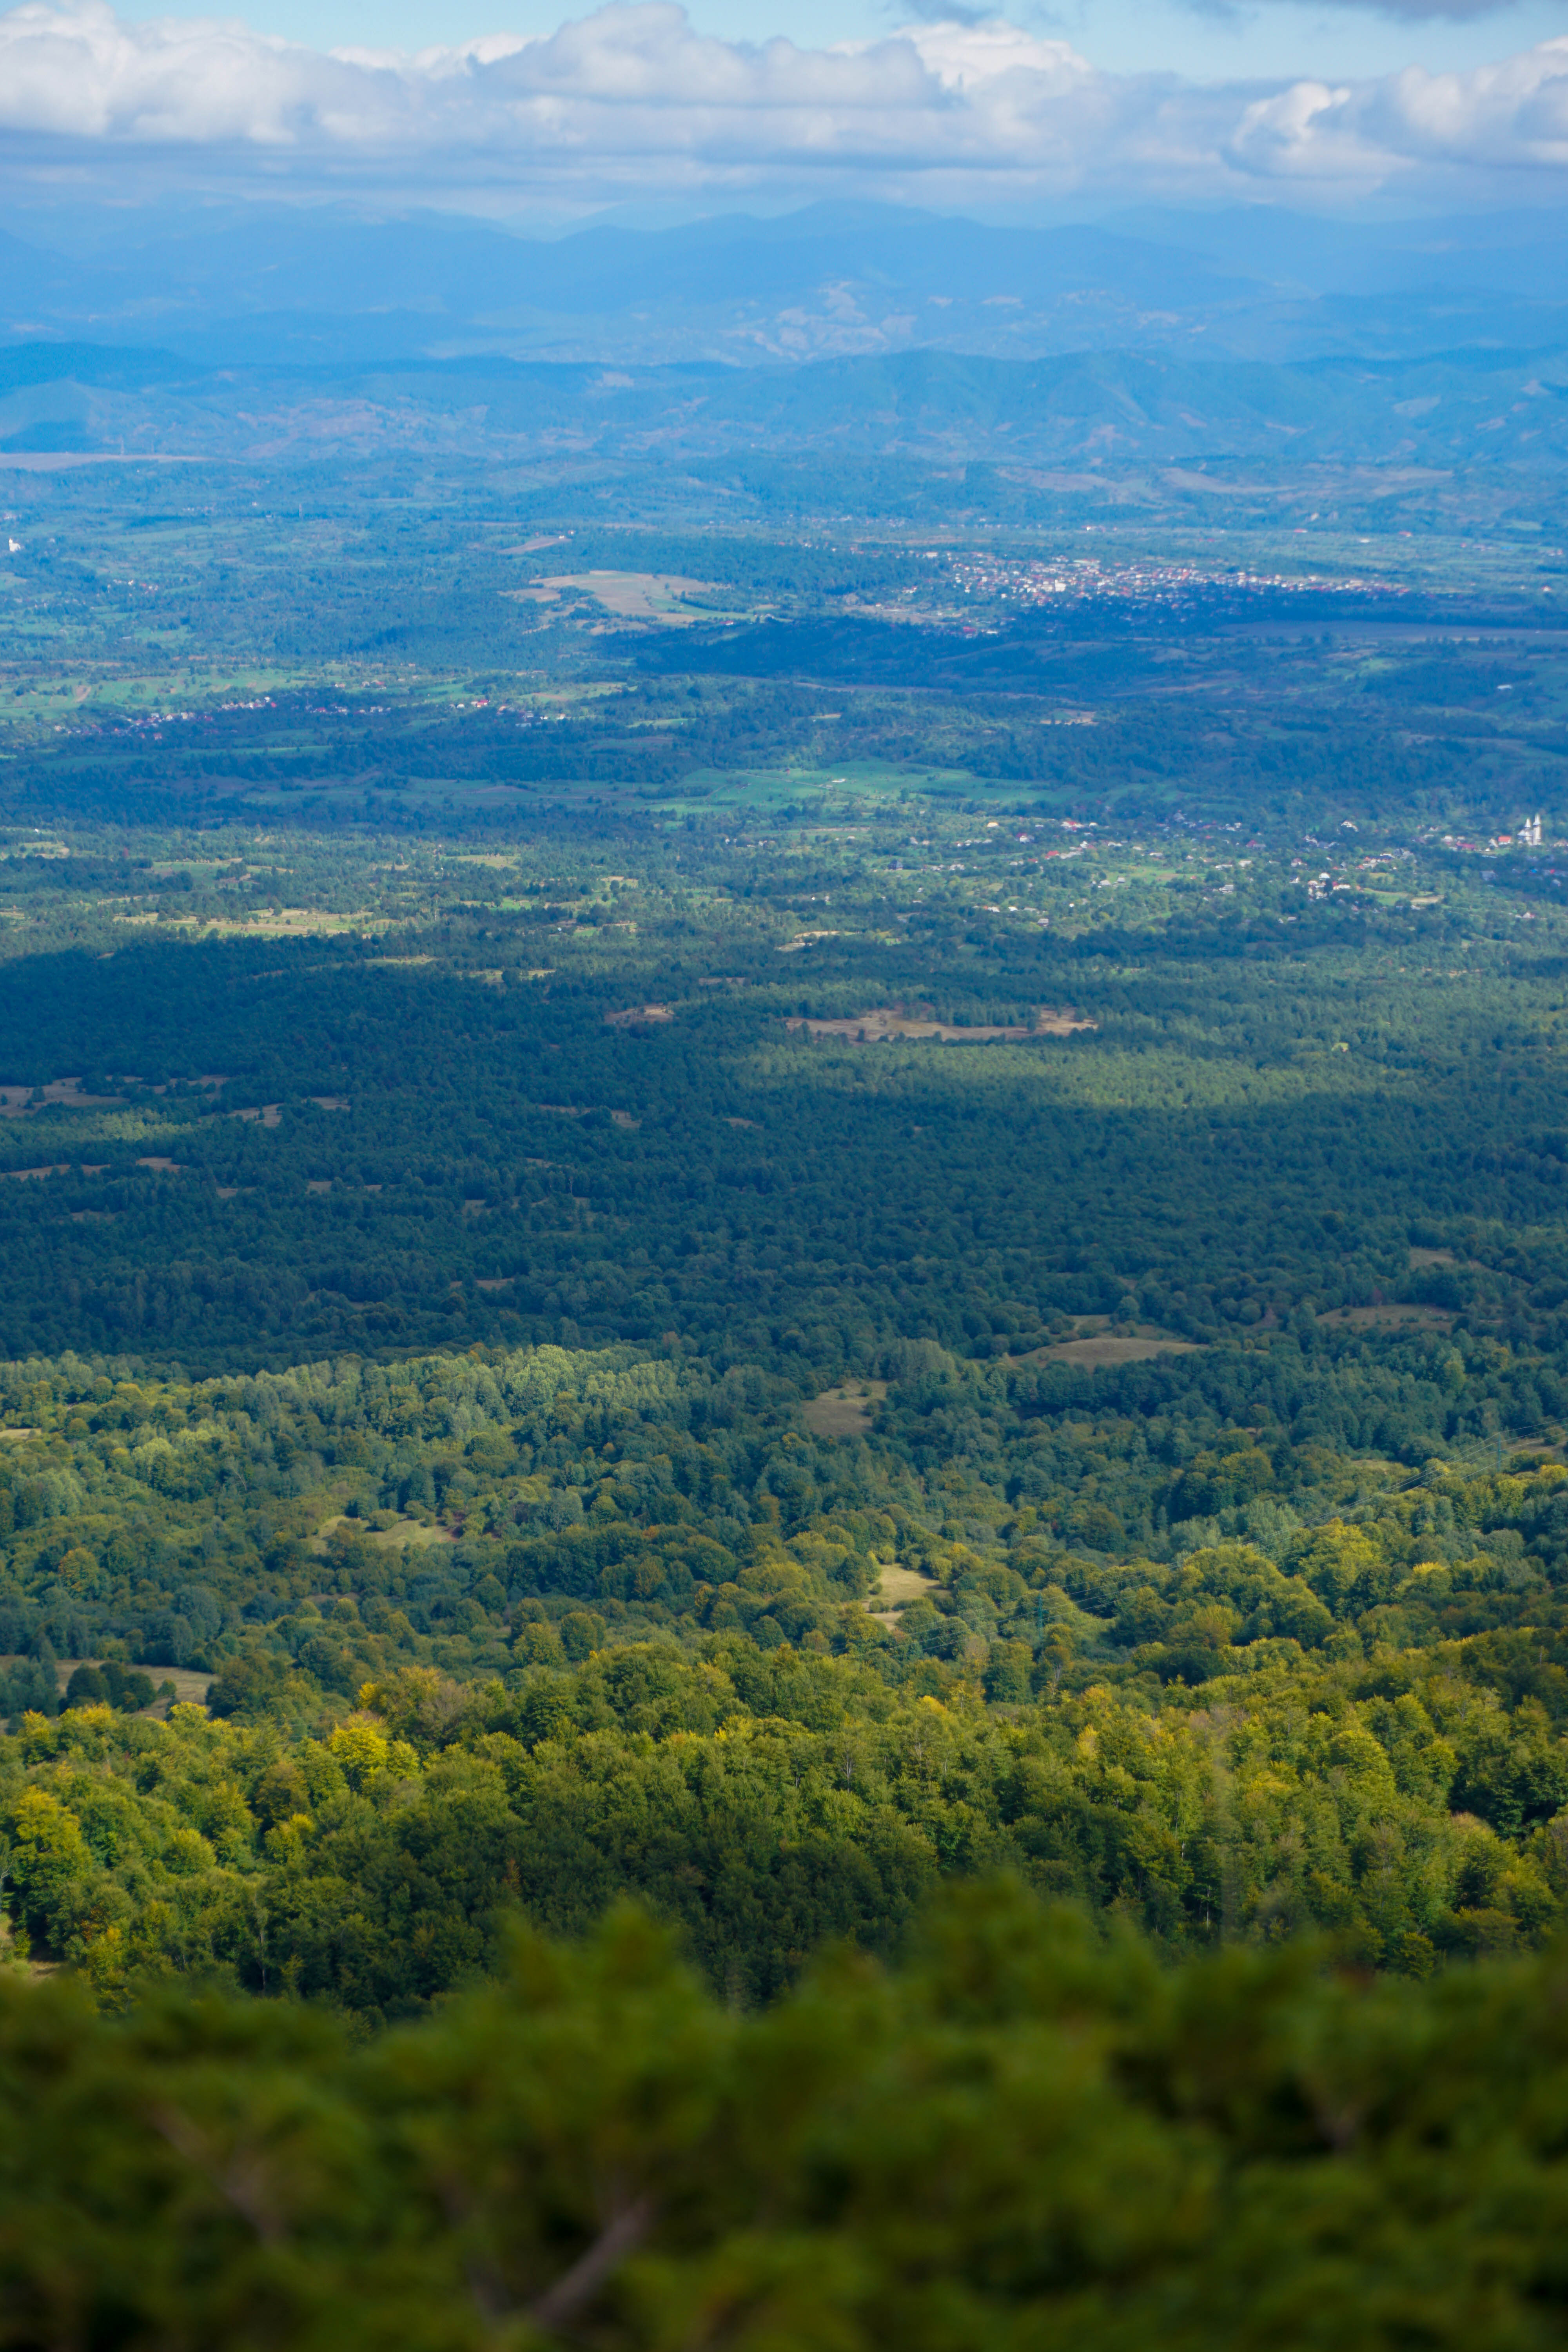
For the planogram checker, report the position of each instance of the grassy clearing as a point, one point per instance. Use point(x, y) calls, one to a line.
point(1389, 1318)
point(1104, 1346)
point(844, 1412)
point(418, 1532)
point(885, 1021)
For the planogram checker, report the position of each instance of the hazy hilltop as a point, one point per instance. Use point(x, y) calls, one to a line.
point(300, 284)
point(1174, 356)
point(1114, 424)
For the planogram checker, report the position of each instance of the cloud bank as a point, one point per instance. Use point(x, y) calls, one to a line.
point(632, 99)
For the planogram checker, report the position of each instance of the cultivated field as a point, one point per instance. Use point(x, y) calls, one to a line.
point(630, 595)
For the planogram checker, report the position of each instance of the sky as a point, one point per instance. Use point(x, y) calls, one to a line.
point(1212, 39)
point(513, 108)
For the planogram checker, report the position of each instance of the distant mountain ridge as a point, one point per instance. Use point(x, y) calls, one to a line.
point(276, 284)
point(1084, 411)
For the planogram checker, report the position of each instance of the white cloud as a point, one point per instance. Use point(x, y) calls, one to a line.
point(1501, 118)
point(633, 96)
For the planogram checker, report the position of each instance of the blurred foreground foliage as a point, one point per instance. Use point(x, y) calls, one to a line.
point(1027, 2134)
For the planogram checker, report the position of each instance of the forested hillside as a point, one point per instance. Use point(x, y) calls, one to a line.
point(542, 1630)
point(783, 1396)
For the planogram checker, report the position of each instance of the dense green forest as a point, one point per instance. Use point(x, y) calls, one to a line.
point(540, 1629)
point(784, 1385)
